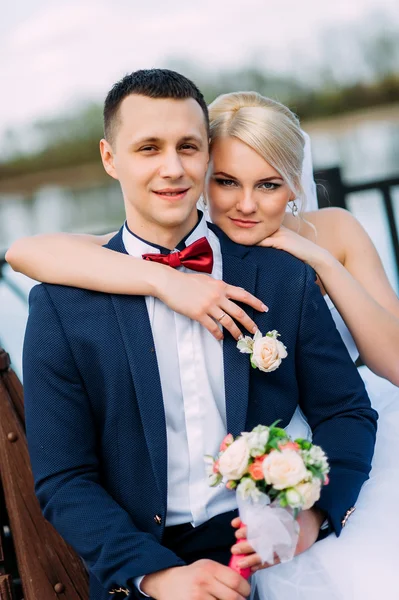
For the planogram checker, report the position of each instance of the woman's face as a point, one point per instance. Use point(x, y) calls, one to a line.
point(247, 197)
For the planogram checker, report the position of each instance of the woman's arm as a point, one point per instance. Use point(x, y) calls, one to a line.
point(81, 261)
point(356, 283)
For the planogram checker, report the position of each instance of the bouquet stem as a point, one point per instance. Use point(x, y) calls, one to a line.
point(235, 558)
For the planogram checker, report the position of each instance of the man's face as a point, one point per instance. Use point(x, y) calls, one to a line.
point(159, 154)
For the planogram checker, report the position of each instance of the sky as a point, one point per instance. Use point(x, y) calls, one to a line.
point(54, 54)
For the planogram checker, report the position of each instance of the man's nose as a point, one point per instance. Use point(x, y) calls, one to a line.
point(246, 203)
point(171, 166)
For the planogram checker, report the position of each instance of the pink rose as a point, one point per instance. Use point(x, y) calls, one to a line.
point(231, 485)
point(289, 446)
point(256, 469)
point(226, 442)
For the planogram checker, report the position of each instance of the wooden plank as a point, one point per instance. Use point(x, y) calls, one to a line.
point(45, 562)
point(6, 587)
point(13, 385)
point(1, 552)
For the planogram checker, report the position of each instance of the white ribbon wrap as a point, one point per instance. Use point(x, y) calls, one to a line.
point(270, 528)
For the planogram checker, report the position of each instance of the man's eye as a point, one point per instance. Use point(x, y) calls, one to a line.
point(188, 147)
point(148, 148)
point(225, 182)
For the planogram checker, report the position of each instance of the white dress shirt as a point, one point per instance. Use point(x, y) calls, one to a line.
point(190, 362)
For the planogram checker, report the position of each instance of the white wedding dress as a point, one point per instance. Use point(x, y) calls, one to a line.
point(363, 563)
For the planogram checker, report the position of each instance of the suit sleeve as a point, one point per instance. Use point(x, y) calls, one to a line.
point(335, 402)
point(62, 443)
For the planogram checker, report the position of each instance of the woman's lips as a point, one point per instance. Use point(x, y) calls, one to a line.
point(244, 223)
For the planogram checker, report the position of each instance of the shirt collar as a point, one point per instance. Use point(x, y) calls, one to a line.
point(136, 246)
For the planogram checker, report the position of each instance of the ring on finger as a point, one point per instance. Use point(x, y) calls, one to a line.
point(221, 317)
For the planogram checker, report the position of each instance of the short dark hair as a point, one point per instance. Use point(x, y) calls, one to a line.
point(153, 83)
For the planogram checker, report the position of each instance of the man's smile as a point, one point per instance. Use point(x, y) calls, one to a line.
point(172, 193)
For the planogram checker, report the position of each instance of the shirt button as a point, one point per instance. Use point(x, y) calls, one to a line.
point(158, 519)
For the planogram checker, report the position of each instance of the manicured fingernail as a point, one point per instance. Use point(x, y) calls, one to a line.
point(240, 337)
point(234, 550)
point(254, 329)
point(265, 308)
point(242, 564)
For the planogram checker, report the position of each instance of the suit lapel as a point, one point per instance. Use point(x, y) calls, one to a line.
point(240, 272)
point(135, 327)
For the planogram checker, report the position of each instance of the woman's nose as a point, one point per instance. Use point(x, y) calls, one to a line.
point(246, 203)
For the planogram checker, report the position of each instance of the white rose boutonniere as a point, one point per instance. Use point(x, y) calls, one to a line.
point(266, 352)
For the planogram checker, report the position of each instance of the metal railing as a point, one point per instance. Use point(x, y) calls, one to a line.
point(333, 191)
point(17, 291)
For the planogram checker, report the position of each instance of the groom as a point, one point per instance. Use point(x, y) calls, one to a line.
point(124, 397)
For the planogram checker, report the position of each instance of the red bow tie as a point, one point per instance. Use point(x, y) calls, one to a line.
point(197, 256)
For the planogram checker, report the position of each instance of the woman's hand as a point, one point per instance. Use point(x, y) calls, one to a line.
point(295, 244)
point(309, 522)
point(209, 301)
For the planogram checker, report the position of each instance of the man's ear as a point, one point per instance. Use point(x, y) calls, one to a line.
point(107, 156)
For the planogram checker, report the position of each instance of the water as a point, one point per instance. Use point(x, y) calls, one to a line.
point(365, 149)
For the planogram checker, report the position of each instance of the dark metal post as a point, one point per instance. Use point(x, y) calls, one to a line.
point(387, 199)
point(331, 190)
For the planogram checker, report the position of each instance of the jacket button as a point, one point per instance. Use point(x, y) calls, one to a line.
point(347, 515)
point(158, 519)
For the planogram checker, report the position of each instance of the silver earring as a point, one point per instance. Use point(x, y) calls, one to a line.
point(294, 209)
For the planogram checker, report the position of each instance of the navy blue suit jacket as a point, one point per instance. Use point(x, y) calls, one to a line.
point(95, 417)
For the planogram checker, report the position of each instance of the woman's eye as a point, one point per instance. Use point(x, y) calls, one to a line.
point(268, 185)
point(225, 182)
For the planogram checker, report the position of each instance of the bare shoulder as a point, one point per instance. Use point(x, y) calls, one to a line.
point(332, 217)
point(335, 229)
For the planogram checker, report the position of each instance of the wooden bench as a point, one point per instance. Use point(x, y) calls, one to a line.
point(48, 567)
point(6, 592)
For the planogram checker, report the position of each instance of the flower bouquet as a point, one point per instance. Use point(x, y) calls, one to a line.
point(275, 478)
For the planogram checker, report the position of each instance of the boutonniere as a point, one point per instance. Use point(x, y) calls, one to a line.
point(266, 352)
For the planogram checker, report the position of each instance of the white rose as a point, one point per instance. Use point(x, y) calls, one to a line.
point(268, 352)
point(284, 469)
point(294, 498)
point(247, 489)
point(257, 440)
point(234, 461)
point(310, 492)
point(316, 456)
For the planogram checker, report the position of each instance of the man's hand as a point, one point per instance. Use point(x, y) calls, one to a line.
point(203, 580)
point(309, 521)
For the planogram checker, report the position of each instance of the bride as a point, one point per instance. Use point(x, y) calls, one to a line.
point(245, 136)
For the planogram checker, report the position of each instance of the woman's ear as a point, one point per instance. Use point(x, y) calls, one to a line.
point(107, 156)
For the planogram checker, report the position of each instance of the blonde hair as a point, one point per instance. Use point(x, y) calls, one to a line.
point(267, 127)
